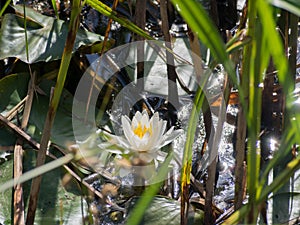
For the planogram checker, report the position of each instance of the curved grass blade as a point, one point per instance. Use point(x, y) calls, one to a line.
point(4, 7)
point(288, 139)
point(237, 216)
point(187, 154)
point(292, 6)
point(107, 11)
point(37, 172)
point(55, 8)
point(281, 179)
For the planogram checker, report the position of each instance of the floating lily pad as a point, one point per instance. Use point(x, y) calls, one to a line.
point(46, 36)
point(62, 130)
point(167, 211)
point(13, 89)
point(56, 205)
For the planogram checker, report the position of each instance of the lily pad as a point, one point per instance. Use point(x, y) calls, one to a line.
point(167, 211)
point(62, 130)
point(6, 169)
point(46, 36)
point(13, 89)
point(56, 205)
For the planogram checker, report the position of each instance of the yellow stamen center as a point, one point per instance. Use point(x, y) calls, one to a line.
point(141, 131)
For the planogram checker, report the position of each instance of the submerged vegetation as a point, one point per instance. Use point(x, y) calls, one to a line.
point(116, 112)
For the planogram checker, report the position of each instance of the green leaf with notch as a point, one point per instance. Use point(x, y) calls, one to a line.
point(46, 36)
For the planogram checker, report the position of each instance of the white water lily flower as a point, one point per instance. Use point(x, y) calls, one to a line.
point(145, 136)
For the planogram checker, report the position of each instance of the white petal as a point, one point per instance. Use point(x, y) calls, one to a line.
point(138, 116)
point(104, 145)
point(170, 136)
point(163, 126)
point(145, 120)
point(122, 142)
point(158, 127)
point(154, 121)
point(134, 123)
point(136, 142)
point(145, 112)
point(127, 129)
point(149, 141)
point(145, 143)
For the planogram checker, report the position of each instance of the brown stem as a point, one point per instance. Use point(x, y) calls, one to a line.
point(18, 157)
point(209, 217)
point(240, 157)
point(172, 75)
point(19, 132)
point(140, 18)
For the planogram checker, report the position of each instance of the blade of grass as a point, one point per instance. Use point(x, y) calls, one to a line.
point(292, 6)
point(187, 154)
point(25, 30)
point(18, 203)
point(276, 48)
point(4, 7)
point(258, 61)
point(287, 140)
point(140, 20)
point(256, 68)
point(37, 172)
point(281, 179)
point(66, 58)
point(237, 216)
point(107, 11)
point(55, 8)
point(207, 32)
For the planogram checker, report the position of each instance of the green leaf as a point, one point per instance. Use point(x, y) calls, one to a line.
point(163, 211)
point(292, 6)
point(6, 169)
point(46, 36)
point(62, 130)
point(13, 89)
point(58, 204)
